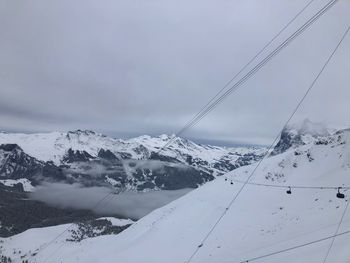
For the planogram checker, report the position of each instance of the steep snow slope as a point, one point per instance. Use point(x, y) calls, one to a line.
point(262, 220)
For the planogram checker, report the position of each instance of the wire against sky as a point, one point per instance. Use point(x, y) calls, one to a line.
point(239, 83)
point(253, 71)
point(322, 11)
point(245, 67)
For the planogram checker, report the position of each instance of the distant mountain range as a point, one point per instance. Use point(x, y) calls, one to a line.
point(91, 158)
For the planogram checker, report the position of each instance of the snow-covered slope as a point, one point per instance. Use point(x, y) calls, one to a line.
point(262, 220)
point(74, 233)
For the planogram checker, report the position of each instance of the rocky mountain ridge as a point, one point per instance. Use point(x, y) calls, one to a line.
point(90, 158)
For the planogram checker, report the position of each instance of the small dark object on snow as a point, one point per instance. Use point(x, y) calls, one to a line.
point(231, 182)
point(200, 245)
point(289, 191)
point(340, 195)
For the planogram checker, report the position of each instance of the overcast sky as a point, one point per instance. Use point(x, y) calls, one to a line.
point(130, 67)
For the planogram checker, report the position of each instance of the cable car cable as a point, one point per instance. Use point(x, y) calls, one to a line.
point(272, 144)
point(255, 69)
point(200, 115)
point(295, 247)
point(294, 186)
point(188, 124)
point(288, 239)
point(336, 232)
point(239, 83)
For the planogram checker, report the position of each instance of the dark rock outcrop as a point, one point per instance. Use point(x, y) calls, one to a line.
point(76, 156)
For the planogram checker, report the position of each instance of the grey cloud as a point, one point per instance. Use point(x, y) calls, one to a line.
point(136, 67)
point(9, 109)
point(127, 204)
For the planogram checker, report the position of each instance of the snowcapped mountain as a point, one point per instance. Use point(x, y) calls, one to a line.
point(55, 146)
point(262, 220)
point(301, 133)
point(81, 155)
point(16, 165)
point(87, 159)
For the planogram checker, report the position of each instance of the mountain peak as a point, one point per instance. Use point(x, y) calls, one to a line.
point(85, 132)
point(307, 127)
point(299, 134)
point(9, 147)
point(166, 137)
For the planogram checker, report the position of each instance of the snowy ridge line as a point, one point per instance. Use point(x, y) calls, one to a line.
point(295, 34)
point(294, 186)
point(54, 146)
point(296, 247)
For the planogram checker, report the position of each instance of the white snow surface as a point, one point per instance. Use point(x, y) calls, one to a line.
point(27, 185)
point(262, 220)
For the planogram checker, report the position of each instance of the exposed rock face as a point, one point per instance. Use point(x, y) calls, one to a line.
point(300, 134)
point(15, 164)
point(94, 228)
point(107, 154)
point(76, 156)
point(288, 139)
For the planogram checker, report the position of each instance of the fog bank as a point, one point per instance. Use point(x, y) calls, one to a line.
point(127, 204)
